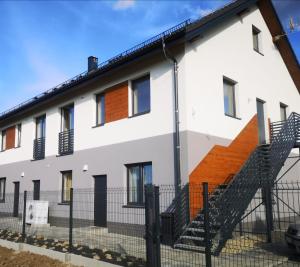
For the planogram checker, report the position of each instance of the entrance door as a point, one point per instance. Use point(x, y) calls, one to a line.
point(36, 189)
point(261, 121)
point(16, 199)
point(100, 201)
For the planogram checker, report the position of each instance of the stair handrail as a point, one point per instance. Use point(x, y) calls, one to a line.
point(278, 152)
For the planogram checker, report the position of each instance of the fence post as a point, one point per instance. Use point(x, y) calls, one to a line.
point(149, 224)
point(71, 221)
point(152, 223)
point(157, 226)
point(24, 217)
point(206, 225)
point(269, 211)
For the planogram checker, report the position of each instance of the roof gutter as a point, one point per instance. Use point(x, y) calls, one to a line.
point(176, 136)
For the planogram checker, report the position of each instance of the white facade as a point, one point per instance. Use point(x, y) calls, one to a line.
point(225, 51)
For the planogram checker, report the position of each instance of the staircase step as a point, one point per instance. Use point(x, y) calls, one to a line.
point(194, 238)
point(190, 248)
point(198, 230)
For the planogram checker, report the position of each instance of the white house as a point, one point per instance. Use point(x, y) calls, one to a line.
point(189, 105)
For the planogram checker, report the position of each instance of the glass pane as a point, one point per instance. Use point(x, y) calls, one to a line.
point(133, 182)
point(283, 113)
point(100, 109)
point(40, 127)
point(229, 102)
point(141, 95)
point(67, 185)
point(68, 118)
point(3, 140)
point(147, 172)
point(2, 184)
point(255, 41)
point(19, 129)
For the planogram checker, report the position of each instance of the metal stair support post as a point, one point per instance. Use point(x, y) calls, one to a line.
point(206, 225)
point(71, 221)
point(267, 196)
point(152, 223)
point(24, 217)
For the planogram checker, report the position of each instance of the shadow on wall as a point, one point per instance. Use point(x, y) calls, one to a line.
point(221, 163)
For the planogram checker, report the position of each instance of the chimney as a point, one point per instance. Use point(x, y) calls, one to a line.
point(92, 63)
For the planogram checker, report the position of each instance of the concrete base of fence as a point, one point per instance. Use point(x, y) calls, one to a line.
point(63, 257)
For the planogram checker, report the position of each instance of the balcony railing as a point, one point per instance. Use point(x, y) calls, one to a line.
point(66, 142)
point(39, 148)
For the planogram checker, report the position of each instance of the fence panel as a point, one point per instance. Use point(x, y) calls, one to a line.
point(176, 212)
point(11, 211)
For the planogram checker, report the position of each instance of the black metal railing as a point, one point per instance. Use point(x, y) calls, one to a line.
point(176, 217)
point(259, 171)
point(39, 148)
point(66, 142)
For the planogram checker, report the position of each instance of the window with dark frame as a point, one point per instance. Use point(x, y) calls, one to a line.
point(141, 95)
point(2, 189)
point(138, 175)
point(19, 134)
point(229, 97)
point(40, 127)
point(256, 39)
point(66, 186)
point(100, 109)
point(67, 118)
point(283, 111)
point(3, 141)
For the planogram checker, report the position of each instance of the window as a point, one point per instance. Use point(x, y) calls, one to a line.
point(229, 98)
point(137, 176)
point(141, 95)
point(3, 142)
point(283, 111)
point(19, 132)
point(40, 127)
point(100, 109)
point(67, 118)
point(256, 39)
point(2, 189)
point(66, 186)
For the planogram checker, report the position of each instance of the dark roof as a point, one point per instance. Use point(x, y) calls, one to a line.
point(188, 29)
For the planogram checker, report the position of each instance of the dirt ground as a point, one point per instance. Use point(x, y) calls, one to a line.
point(9, 257)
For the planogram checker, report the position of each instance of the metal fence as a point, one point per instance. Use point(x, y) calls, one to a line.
point(151, 235)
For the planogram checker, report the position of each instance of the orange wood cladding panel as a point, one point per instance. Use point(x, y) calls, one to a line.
point(10, 137)
point(221, 163)
point(116, 103)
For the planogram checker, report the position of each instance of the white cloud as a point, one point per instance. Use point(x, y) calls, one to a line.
point(123, 4)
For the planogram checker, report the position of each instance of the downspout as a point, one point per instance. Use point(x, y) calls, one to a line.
point(176, 135)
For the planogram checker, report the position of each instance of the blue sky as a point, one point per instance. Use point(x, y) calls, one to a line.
point(43, 43)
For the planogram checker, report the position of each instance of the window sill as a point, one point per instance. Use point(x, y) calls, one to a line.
point(132, 206)
point(139, 114)
point(64, 204)
point(10, 148)
point(257, 51)
point(233, 117)
point(66, 154)
point(37, 159)
point(98, 125)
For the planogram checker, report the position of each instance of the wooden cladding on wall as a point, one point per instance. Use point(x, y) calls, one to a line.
point(10, 137)
point(116, 102)
point(221, 163)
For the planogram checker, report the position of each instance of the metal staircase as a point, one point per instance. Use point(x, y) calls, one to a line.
point(227, 204)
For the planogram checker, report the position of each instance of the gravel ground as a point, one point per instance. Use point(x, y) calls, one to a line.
point(9, 257)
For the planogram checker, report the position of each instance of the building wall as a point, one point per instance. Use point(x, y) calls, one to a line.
point(227, 51)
